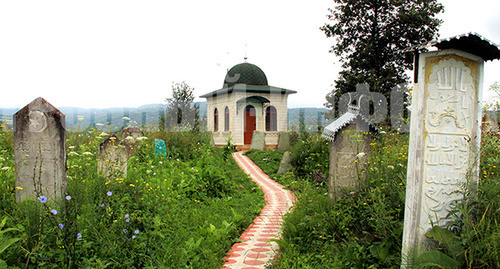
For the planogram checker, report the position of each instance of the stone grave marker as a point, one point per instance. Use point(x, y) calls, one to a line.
point(40, 151)
point(286, 163)
point(258, 140)
point(113, 157)
point(349, 151)
point(130, 134)
point(160, 147)
point(284, 141)
point(445, 136)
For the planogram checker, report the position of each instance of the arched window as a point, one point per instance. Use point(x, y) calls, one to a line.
point(226, 119)
point(216, 120)
point(271, 119)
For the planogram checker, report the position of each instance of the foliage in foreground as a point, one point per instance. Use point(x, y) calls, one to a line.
point(473, 240)
point(363, 229)
point(182, 211)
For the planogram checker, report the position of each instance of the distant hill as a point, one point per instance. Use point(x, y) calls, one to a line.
point(112, 119)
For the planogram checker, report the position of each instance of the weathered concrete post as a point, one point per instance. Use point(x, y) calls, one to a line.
point(40, 151)
point(445, 136)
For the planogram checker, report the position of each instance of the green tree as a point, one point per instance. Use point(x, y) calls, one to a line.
point(180, 112)
point(368, 35)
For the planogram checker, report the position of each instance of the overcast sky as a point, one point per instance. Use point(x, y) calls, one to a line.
point(120, 53)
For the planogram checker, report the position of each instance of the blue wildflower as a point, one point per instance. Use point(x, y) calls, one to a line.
point(78, 235)
point(53, 211)
point(125, 231)
point(61, 226)
point(136, 231)
point(42, 199)
point(109, 193)
point(68, 197)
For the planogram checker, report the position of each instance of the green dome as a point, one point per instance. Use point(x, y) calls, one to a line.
point(245, 73)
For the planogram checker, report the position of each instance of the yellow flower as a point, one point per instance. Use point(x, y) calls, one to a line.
point(132, 185)
point(19, 188)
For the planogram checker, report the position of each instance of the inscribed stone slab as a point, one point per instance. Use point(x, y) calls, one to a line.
point(113, 157)
point(40, 151)
point(444, 142)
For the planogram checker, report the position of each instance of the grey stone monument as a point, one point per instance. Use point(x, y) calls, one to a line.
point(284, 141)
point(130, 134)
point(349, 151)
point(113, 157)
point(445, 135)
point(40, 151)
point(286, 163)
point(258, 140)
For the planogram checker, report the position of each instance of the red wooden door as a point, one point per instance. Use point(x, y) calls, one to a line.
point(250, 124)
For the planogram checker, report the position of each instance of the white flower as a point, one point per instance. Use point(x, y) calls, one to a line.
point(71, 147)
point(87, 153)
point(360, 155)
point(126, 118)
point(130, 139)
point(390, 167)
point(103, 134)
point(5, 168)
point(382, 132)
point(99, 124)
point(141, 138)
point(73, 154)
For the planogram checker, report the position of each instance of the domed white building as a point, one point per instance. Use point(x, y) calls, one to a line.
point(246, 103)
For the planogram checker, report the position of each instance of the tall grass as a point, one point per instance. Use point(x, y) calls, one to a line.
point(180, 211)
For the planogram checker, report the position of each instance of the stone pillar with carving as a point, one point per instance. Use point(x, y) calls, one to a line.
point(445, 135)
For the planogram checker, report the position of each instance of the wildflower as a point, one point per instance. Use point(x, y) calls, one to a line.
point(360, 155)
point(86, 153)
point(61, 226)
point(134, 237)
point(127, 220)
point(109, 193)
point(126, 118)
point(136, 231)
point(102, 205)
point(390, 167)
point(125, 231)
point(126, 216)
point(132, 185)
point(19, 188)
point(103, 134)
point(72, 153)
point(141, 138)
point(5, 168)
point(42, 199)
point(68, 197)
point(78, 235)
point(130, 139)
point(53, 211)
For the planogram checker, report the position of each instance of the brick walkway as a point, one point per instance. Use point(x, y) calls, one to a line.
point(254, 251)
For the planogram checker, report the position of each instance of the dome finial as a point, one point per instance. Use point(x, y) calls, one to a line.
point(246, 57)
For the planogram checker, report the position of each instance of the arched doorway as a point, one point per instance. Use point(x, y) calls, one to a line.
point(250, 124)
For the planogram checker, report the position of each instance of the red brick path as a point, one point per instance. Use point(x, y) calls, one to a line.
point(254, 251)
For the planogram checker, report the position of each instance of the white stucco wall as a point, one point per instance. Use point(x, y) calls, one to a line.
point(237, 112)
